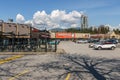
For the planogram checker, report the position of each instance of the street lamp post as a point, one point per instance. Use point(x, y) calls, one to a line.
point(45, 37)
point(12, 41)
point(19, 44)
point(45, 41)
point(55, 43)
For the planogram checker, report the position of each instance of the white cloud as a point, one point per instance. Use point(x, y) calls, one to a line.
point(20, 18)
point(40, 17)
point(57, 18)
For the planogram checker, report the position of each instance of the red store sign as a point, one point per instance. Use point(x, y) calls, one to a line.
point(65, 35)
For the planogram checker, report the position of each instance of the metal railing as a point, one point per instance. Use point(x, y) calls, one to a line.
point(7, 45)
point(18, 44)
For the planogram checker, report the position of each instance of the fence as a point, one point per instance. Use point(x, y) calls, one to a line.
point(27, 45)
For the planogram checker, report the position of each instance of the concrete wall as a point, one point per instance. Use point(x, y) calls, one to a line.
point(23, 29)
point(8, 27)
point(18, 29)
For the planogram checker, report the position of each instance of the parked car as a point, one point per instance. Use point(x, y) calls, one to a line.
point(105, 45)
point(91, 45)
point(93, 40)
point(114, 41)
point(74, 40)
point(82, 41)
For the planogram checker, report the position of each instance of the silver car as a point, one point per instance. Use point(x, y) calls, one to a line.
point(82, 41)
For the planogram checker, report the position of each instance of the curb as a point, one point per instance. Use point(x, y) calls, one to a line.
point(59, 51)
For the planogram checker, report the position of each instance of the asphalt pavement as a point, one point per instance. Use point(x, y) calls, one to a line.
point(78, 63)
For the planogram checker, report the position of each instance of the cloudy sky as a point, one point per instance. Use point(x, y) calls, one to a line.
point(61, 13)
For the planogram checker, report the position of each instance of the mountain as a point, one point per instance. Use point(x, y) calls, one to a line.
point(77, 28)
point(57, 29)
point(60, 29)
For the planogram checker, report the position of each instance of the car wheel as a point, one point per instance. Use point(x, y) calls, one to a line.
point(112, 48)
point(99, 48)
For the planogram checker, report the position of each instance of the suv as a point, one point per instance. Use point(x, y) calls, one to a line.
point(105, 45)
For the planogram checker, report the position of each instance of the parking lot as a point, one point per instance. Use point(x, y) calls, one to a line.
point(83, 49)
point(78, 63)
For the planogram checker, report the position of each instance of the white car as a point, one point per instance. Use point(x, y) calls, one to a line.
point(82, 41)
point(91, 45)
point(105, 45)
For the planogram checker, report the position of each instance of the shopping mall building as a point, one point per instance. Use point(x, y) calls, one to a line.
point(15, 35)
point(69, 36)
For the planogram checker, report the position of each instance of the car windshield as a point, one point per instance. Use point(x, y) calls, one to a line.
point(99, 43)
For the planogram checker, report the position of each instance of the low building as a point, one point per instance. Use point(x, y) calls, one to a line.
point(69, 36)
point(18, 30)
point(97, 36)
point(22, 37)
point(112, 34)
point(82, 35)
point(39, 34)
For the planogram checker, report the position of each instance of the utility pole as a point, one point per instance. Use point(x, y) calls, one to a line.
point(12, 41)
point(45, 41)
point(55, 43)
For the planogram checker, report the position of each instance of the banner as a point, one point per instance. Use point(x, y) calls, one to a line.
point(65, 35)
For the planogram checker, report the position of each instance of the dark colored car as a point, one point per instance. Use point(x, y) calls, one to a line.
point(114, 41)
point(93, 40)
